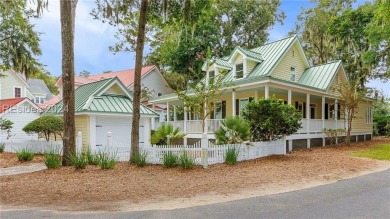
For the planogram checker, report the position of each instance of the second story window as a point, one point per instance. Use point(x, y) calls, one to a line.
point(18, 92)
point(39, 100)
point(211, 77)
point(240, 70)
point(292, 74)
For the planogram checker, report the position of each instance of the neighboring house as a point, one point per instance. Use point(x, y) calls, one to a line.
point(151, 78)
point(14, 85)
point(106, 106)
point(279, 68)
point(41, 92)
point(20, 111)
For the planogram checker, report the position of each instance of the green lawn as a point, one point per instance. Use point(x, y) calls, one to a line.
point(380, 152)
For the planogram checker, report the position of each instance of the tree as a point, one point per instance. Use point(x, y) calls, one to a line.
point(123, 13)
point(351, 96)
point(271, 119)
point(382, 118)
point(165, 134)
point(84, 73)
point(233, 130)
point(45, 126)
point(6, 125)
point(68, 8)
point(19, 43)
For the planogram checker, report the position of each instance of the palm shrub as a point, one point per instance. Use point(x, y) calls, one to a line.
point(233, 130)
point(186, 162)
point(139, 159)
point(106, 160)
point(25, 155)
point(231, 155)
point(165, 134)
point(170, 159)
point(78, 161)
point(52, 159)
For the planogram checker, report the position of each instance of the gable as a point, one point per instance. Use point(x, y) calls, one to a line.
point(338, 79)
point(115, 89)
point(10, 81)
point(291, 59)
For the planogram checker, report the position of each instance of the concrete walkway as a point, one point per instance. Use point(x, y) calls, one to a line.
point(21, 169)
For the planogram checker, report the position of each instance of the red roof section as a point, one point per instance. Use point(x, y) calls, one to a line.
point(8, 103)
point(126, 76)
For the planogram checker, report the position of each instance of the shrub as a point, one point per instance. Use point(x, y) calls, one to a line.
point(2, 147)
point(165, 134)
point(6, 125)
point(231, 155)
point(25, 155)
point(52, 160)
point(78, 161)
point(93, 159)
point(186, 162)
point(139, 159)
point(170, 160)
point(233, 130)
point(106, 160)
point(45, 125)
point(333, 134)
point(271, 119)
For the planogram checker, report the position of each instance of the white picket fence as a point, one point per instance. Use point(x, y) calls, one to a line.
point(36, 146)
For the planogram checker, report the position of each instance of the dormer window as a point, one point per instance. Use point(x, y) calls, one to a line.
point(292, 74)
point(211, 77)
point(240, 70)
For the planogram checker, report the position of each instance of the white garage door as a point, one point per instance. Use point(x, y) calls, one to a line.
point(120, 129)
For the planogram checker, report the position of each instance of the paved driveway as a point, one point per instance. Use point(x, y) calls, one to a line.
point(361, 197)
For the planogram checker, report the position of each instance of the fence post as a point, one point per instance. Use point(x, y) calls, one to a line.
point(284, 145)
point(204, 143)
point(79, 140)
point(109, 140)
point(154, 149)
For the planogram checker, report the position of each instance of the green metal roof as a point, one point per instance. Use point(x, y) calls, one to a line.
point(320, 76)
point(223, 63)
point(252, 54)
point(88, 99)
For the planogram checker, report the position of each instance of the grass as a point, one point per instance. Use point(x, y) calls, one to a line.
point(2, 147)
point(379, 152)
point(186, 162)
point(52, 160)
point(231, 155)
point(93, 159)
point(78, 161)
point(25, 155)
point(106, 160)
point(139, 159)
point(170, 160)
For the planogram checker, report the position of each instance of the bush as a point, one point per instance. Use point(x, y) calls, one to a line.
point(78, 161)
point(45, 125)
point(271, 119)
point(25, 155)
point(2, 147)
point(186, 162)
point(52, 160)
point(231, 155)
point(139, 159)
point(170, 160)
point(106, 160)
point(233, 130)
point(165, 134)
point(93, 159)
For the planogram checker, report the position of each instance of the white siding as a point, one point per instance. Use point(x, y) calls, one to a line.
point(20, 116)
point(9, 82)
point(156, 83)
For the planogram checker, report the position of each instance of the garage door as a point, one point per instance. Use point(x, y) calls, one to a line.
point(120, 129)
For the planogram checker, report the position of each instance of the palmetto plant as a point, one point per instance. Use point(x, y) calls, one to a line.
point(166, 134)
point(233, 130)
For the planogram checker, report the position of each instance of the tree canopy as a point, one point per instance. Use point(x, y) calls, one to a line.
point(45, 126)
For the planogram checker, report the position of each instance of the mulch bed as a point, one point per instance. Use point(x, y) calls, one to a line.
point(92, 188)
point(10, 160)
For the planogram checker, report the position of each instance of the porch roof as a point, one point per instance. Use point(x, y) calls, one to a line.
point(320, 76)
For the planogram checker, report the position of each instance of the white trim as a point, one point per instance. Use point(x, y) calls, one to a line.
point(20, 103)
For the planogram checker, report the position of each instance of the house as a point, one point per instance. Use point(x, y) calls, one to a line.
point(14, 85)
point(279, 68)
point(20, 111)
point(40, 91)
point(106, 106)
point(153, 83)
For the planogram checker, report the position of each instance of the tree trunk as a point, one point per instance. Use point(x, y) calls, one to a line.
point(67, 9)
point(137, 80)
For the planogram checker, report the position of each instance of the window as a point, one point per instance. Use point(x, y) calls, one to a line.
point(211, 77)
point(159, 94)
point(240, 70)
point(312, 111)
point(242, 104)
point(292, 74)
point(293, 53)
point(369, 115)
point(218, 110)
point(39, 100)
point(301, 106)
point(17, 92)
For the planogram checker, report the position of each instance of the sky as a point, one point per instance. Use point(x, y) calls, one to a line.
point(92, 39)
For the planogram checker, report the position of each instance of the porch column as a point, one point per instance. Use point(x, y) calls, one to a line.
point(335, 116)
point(308, 119)
point(323, 117)
point(167, 111)
point(289, 97)
point(256, 94)
point(266, 92)
point(174, 113)
point(234, 103)
point(206, 122)
point(185, 125)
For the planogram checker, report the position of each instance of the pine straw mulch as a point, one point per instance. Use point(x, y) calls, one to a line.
point(90, 189)
point(11, 160)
